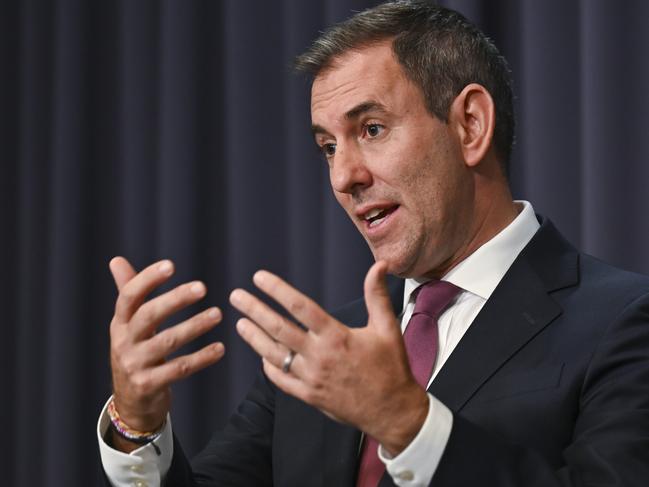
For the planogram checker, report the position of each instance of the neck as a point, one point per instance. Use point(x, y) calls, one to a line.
point(493, 211)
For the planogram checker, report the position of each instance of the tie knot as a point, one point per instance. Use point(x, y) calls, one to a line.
point(433, 297)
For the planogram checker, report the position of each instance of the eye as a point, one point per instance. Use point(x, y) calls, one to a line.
point(328, 149)
point(373, 129)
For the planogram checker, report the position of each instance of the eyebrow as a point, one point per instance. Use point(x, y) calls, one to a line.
point(355, 112)
point(364, 107)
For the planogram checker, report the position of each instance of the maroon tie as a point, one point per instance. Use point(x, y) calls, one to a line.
point(421, 340)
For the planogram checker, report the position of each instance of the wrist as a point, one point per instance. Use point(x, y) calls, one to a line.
point(137, 416)
point(125, 431)
point(406, 423)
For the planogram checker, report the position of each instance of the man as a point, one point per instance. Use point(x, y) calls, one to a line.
point(537, 368)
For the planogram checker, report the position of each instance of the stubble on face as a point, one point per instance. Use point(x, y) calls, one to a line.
point(415, 165)
point(438, 201)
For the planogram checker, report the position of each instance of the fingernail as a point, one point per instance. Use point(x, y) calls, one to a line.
point(166, 267)
point(219, 348)
point(235, 297)
point(214, 313)
point(197, 288)
point(258, 277)
point(241, 325)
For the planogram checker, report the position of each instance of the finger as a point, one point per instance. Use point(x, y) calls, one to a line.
point(171, 339)
point(302, 308)
point(181, 367)
point(149, 316)
point(133, 292)
point(265, 346)
point(377, 297)
point(122, 271)
point(288, 383)
point(274, 324)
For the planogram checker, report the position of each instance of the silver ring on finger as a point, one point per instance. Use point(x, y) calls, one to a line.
point(288, 360)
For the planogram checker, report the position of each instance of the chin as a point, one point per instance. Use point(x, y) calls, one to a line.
point(403, 272)
point(401, 256)
point(396, 266)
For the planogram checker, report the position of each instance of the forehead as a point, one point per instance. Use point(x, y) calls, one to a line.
point(367, 74)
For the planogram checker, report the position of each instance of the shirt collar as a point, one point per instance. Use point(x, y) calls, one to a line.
point(481, 271)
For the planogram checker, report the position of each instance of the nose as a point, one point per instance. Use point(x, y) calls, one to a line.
point(348, 171)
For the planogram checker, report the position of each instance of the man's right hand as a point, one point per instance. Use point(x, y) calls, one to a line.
point(141, 375)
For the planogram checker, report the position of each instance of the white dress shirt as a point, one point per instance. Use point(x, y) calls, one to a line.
point(477, 276)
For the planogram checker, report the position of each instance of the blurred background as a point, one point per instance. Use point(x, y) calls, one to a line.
point(176, 129)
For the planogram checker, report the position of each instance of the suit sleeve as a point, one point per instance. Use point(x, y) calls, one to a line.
point(610, 441)
point(238, 455)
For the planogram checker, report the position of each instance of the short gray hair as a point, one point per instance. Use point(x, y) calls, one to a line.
point(438, 49)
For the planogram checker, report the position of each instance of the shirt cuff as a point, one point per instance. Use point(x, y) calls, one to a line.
point(416, 465)
point(143, 466)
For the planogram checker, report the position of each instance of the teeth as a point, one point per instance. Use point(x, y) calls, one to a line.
point(376, 222)
point(372, 214)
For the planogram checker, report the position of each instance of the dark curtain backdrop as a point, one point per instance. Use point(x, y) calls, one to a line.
point(175, 129)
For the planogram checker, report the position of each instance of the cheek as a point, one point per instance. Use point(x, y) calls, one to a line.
point(341, 198)
point(345, 201)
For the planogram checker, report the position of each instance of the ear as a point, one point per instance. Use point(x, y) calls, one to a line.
point(473, 116)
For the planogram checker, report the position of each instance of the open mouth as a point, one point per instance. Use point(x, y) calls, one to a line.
point(376, 216)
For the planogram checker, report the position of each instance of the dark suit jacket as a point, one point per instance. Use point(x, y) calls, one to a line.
point(549, 386)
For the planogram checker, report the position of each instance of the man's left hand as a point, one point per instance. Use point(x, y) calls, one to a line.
point(358, 376)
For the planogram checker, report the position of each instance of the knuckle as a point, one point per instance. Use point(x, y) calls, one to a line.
point(169, 341)
point(146, 313)
point(324, 365)
point(149, 311)
point(182, 367)
point(277, 329)
point(117, 346)
point(156, 309)
point(338, 339)
point(296, 307)
point(324, 362)
point(141, 384)
point(128, 295)
point(127, 365)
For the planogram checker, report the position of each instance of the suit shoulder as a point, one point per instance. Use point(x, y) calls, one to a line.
point(607, 284)
point(598, 272)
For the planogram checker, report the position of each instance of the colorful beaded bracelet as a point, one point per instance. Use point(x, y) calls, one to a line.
point(126, 432)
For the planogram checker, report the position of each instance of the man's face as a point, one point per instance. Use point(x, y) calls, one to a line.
point(396, 170)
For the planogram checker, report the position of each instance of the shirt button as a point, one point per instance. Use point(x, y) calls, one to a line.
point(136, 468)
point(140, 483)
point(406, 475)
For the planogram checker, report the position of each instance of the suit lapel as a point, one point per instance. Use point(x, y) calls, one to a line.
point(519, 308)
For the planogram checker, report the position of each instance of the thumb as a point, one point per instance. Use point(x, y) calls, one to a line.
point(121, 270)
point(377, 297)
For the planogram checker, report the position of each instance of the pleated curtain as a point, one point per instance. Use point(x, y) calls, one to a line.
point(176, 129)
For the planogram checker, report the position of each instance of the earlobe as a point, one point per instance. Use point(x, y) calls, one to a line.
point(473, 115)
